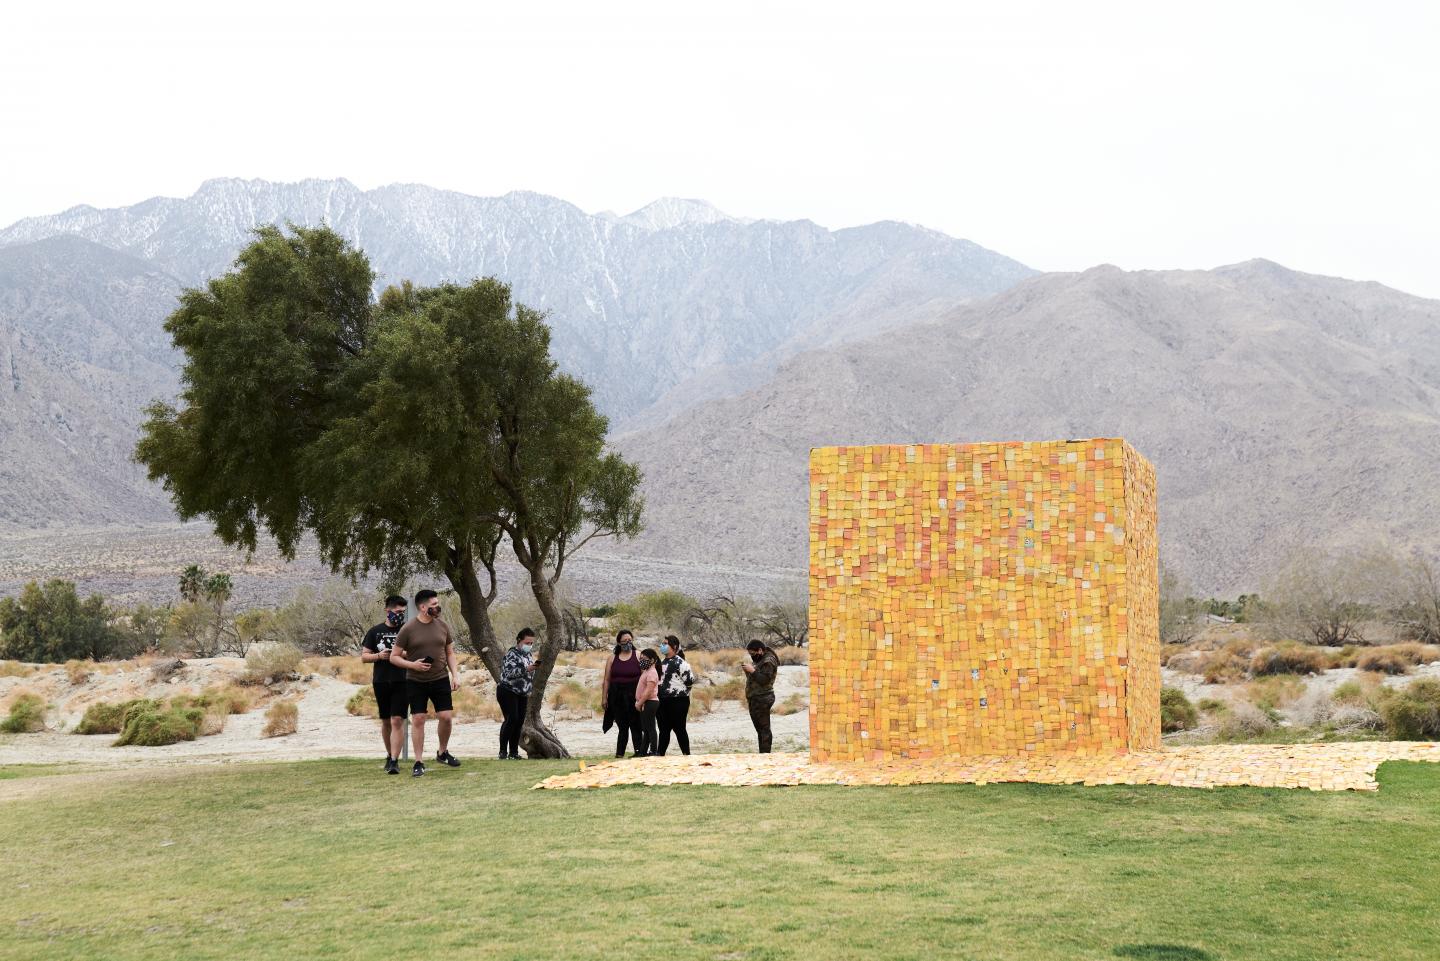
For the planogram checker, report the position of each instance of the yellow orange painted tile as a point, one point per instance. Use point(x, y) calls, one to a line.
point(983, 599)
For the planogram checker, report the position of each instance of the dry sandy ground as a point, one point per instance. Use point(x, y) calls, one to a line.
point(326, 729)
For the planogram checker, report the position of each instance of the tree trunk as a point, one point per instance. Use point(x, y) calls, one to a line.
point(475, 609)
point(537, 739)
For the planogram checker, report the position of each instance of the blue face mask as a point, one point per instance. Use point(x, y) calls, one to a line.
point(526, 648)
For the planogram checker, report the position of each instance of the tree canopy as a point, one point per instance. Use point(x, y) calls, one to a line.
point(411, 435)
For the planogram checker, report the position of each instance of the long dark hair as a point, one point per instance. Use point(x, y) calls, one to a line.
point(654, 656)
point(621, 633)
point(673, 642)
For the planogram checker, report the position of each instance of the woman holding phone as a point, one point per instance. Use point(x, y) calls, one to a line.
point(617, 692)
point(676, 679)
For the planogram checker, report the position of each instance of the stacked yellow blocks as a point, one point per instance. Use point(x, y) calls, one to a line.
point(996, 599)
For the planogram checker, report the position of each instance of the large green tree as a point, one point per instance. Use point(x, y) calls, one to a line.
point(51, 623)
point(413, 435)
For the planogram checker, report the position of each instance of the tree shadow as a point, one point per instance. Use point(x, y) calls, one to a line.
point(1163, 952)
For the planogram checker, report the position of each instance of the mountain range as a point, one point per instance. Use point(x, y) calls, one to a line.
point(646, 308)
point(1280, 408)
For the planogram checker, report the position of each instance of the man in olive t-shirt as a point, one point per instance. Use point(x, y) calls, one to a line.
point(426, 650)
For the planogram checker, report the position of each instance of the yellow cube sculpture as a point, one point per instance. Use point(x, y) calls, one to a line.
point(995, 599)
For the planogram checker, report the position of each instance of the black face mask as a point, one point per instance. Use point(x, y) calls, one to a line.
point(756, 656)
point(433, 612)
point(395, 618)
point(626, 646)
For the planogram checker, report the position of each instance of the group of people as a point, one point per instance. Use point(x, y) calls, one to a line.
point(645, 694)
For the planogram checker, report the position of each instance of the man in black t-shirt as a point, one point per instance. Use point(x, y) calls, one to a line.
point(388, 680)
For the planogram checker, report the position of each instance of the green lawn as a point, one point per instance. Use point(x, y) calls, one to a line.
point(334, 860)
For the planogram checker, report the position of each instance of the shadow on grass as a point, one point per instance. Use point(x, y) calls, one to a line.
point(1162, 952)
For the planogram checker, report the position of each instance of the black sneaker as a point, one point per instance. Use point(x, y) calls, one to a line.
point(418, 769)
point(388, 761)
point(504, 756)
point(447, 759)
point(514, 757)
point(392, 766)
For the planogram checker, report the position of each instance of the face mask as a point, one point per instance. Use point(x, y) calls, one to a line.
point(646, 663)
point(626, 646)
point(526, 648)
point(756, 656)
point(395, 618)
point(434, 612)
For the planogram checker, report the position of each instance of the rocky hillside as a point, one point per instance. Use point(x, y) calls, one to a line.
point(663, 307)
point(1279, 408)
point(81, 354)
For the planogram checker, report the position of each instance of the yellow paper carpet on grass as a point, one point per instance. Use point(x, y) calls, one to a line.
point(1335, 766)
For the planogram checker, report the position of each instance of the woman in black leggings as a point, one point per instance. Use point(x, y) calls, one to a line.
point(617, 692)
point(676, 679)
point(517, 672)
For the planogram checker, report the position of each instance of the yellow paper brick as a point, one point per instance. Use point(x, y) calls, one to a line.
point(983, 599)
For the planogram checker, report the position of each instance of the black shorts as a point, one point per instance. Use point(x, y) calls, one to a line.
point(392, 698)
point(436, 692)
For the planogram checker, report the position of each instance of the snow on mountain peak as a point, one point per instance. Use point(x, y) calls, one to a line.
point(673, 211)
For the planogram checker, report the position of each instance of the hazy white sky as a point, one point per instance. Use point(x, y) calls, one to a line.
point(1063, 134)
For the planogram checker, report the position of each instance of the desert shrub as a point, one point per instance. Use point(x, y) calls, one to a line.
point(1244, 721)
point(1226, 665)
point(148, 724)
point(725, 660)
point(1412, 713)
point(166, 668)
point(213, 706)
point(793, 655)
point(1288, 659)
point(1345, 656)
point(27, 715)
point(471, 705)
point(1167, 651)
point(1211, 706)
point(234, 698)
point(1382, 661)
point(267, 663)
point(594, 660)
point(213, 720)
point(349, 669)
point(1353, 717)
point(1314, 709)
point(362, 703)
point(730, 689)
point(281, 718)
point(1176, 711)
point(108, 717)
point(1272, 693)
point(793, 704)
point(78, 672)
point(1364, 691)
point(702, 699)
point(574, 696)
point(15, 669)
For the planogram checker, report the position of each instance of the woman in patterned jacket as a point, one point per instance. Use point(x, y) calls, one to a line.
point(676, 679)
point(513, 692)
